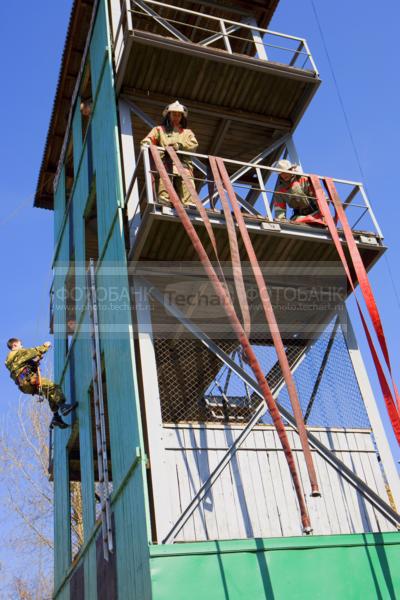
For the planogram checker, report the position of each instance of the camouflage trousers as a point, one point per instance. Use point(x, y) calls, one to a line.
point(50, 390)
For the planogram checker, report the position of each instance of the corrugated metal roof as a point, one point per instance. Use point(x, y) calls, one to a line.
point(77, 31)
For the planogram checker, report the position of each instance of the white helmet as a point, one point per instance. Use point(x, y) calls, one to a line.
point(177, 107)
point(286, 165)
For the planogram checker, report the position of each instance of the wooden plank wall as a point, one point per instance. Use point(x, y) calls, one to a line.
point(254, 496)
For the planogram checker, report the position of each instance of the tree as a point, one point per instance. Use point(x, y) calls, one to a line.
point(28, 497)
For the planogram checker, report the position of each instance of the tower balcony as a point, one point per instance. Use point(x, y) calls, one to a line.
point(223, 69)
point(157, 236)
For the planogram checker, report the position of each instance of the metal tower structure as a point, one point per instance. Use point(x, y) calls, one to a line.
point(199, 475)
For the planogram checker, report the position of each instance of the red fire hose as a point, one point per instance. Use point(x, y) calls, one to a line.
point(240, 334)
point(365, 288)
point(271, 320)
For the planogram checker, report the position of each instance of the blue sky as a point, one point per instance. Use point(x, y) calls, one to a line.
point(359, 36)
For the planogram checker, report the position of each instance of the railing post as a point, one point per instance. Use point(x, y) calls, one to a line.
point(264, 195)
point(129, 22)
point(296, 55)
point(148, 177)
point(310, 58)
point(116, 14)
point(129, 163)
point(371, 212)
point(225, 36)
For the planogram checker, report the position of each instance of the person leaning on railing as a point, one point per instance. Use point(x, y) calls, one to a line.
point(174, 132)
point(294, 190)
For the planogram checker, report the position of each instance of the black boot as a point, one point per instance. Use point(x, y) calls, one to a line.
point(57, 422)
point(65, 408)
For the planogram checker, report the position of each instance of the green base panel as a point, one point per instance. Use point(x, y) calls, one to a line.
point(340, 567)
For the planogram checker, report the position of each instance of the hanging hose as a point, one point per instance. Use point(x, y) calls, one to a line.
point(362, 278)
point(234, 248)
point(361, 274)
point(240, 334)
point(236, 265)
point(271, 320)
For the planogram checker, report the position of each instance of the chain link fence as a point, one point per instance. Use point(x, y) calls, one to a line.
point(196, 386)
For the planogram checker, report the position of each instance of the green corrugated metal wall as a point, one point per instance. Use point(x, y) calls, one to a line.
point(342, 567)
point(131, 519)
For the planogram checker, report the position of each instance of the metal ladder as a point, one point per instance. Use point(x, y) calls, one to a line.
point(101, 437)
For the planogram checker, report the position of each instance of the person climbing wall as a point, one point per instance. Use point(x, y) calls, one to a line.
point(23, 364)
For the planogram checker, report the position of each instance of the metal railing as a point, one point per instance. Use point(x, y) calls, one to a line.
point(233, 37)
point(255, 187)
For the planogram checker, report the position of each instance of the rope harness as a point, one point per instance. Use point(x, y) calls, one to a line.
point(31, 374)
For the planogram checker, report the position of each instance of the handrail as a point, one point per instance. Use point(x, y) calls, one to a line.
point(213, 18)
point(354, 195)
point(225, 32)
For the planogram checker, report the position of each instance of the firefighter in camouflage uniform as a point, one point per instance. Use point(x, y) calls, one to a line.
point(174, 132)
point(294, 190)
point(23, 364)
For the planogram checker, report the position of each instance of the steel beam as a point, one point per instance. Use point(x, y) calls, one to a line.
point(163, 22)
point(368, 396)
point(212, 110)
point(259, 413)
point(253, 163)
point(217, 36)
point(321, 371)
point(154, 426)
point(326, 453)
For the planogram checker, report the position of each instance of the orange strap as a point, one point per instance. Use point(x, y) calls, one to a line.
point(239, 332)
point(361, 276)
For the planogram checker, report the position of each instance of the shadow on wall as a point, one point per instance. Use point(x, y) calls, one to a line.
point(385, 568)
point(262, 563)
point(264, 573)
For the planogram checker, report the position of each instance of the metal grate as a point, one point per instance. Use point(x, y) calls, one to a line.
point(337, 400)
point(196, 386)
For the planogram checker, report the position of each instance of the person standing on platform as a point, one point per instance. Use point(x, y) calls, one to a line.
point(174, 132)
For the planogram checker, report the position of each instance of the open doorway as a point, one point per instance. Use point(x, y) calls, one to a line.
point(91, 227)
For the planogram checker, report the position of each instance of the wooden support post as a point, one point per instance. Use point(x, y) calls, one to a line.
point(154, 425)
point(371, 407)
point(128, 159)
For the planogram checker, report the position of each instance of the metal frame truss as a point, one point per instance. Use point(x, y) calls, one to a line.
point(326, 453)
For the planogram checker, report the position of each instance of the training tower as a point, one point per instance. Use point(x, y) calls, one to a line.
point(171, 482)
